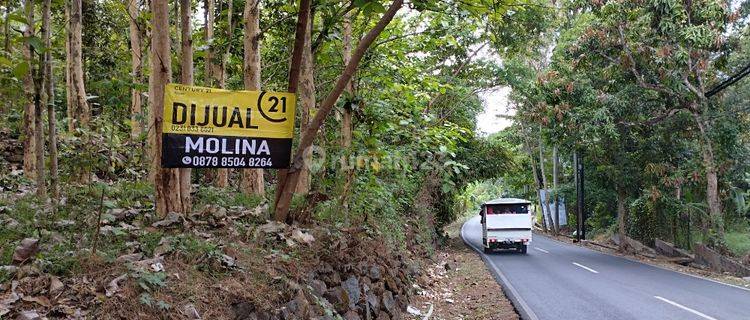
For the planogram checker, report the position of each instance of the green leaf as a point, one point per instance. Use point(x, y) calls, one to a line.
point(21, 69)
point(35, 42)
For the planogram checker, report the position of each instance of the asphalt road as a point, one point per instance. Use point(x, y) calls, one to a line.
point(556, 280)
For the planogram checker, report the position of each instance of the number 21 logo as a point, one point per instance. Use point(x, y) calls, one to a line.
point(277, 103)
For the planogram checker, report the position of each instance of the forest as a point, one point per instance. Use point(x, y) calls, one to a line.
point(647, 96)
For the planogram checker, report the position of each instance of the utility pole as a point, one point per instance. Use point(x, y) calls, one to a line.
point(581, 220)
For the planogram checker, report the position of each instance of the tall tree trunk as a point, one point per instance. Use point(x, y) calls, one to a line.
point(49, 100)
point(209, 36)
point(7, 26)
point(29, 112)
point(712, 179)
point(346, 121)
point(222, 178)
point(166, 181)
point(307, 102)
point(555, 173)
point(81, 110)
point(136, 116)
point(252, 179)
point(41, 186)
point(537, 179)
point(70, 104)
point(287, 184)
point(546, 216)
point(622, 217)
point(186, 74)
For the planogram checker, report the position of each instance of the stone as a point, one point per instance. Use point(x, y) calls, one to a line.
point(389, 304)
point(351, 315)
point(190, 312)
point(339, 298)
point(272, 227)
point(133, 257)
point(25, 250)
point(170, 220)
point(375, 273)
point(298, 307)
point(302, 237)
point(29, 315)
point(318, 286)
point(351, 285)
point(55, 285)
point(373, 301)
point(114, 286)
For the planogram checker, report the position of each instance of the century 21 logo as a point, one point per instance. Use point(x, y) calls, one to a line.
point(278, 104)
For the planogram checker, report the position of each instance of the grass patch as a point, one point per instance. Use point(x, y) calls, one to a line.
point(224, 197)
point(738, 242)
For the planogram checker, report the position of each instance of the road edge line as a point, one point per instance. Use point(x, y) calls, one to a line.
point(519, 303)
point(688, 309)
point(650, 264)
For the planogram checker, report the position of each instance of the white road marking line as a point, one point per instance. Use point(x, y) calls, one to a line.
point(685, 308)
point(585, 267)
point(540, 249)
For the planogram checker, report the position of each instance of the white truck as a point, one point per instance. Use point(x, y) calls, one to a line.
point(506, 224)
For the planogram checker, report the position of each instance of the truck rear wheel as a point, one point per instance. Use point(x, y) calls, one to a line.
point(523, 248)
point(487, 250)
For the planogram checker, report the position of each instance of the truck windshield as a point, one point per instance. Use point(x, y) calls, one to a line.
point(508, 209)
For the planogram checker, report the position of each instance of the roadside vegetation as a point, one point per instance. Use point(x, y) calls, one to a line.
point(628, 85)
point(92, 226)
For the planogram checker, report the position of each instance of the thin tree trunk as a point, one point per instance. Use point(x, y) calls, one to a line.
point(712, 180)
point(222, 179)
point(307, 102)
point(136, 109)
point(209, 29)
point(537, 179)
point(39, 97)
point(166, 181)
point(69, 88)
point(186, 73)
point(555, 173)
point(7, 26)
point(49, 100)
point(252, 179)
point(294, 74)
point(622, 218)
point(347, 124)
point(548, 214)
point(29, 112)
point(81, 110)
point(288, 184)
point(346, 121)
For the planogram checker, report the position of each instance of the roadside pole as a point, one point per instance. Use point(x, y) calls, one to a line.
point(581, 221)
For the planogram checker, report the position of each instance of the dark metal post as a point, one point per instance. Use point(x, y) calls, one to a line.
point(580, 192)
point(578, 211)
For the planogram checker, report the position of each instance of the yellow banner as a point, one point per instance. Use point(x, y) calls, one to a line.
point(210, 111)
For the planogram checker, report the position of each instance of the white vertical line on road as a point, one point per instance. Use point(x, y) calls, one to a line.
point(540, 249)
point(585, 267)
point(698, 313)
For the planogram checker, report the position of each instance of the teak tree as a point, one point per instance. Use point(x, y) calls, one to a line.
point(288, 178)
point(252, 179)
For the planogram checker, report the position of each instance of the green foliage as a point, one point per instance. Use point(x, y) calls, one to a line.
point(224, 197)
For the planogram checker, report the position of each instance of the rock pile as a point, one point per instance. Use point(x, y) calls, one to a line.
point(356, 278)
